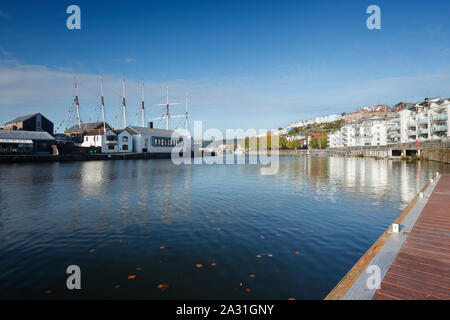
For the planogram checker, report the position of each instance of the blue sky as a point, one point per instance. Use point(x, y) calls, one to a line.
point(245, 64)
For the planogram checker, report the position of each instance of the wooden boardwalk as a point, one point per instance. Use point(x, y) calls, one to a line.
point(416, 262)
point(421, 269)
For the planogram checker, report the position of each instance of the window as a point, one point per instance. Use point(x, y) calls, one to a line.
point(125, 147)
point(111, 147)
point(124, 139)
point(165, 141)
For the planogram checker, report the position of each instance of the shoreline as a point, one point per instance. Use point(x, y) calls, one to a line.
point(86, 157)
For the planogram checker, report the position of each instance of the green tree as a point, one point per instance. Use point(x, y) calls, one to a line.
point(296, 144)
point(283, 142)
point(323, 143)
point(314, 143)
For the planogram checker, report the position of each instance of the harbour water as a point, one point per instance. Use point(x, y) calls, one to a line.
point(152, 230)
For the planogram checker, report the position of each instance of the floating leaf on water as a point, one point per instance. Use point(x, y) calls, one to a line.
point(213, 264)
point(132, 276)
point(48, 291)
point(291, 299)
point(252, 276)
point(163, 287)
point(199, 265)
point(248, 289)
point(297, 252)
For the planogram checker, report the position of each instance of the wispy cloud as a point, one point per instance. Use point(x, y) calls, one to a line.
point(221, 102)
point(130, 60)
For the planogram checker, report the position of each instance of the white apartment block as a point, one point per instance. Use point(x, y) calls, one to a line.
point(328, 118)
point(318, 120)
point(423, 121)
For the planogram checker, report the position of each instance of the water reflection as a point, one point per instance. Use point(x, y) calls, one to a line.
point(330, 210)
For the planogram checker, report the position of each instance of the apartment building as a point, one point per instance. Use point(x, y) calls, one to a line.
point(424, 121)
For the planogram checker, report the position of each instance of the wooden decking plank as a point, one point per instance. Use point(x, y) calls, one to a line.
point(421, 269)
point(428, 242)
point(402, 293)
point(415, 285)
point(438, 250)
point(433, 279)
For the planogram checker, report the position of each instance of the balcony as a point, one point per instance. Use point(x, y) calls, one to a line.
point(411, 133)
point(442, 128)
point(439, 117)
point(412, 124)
point(423, 121)
point(392, 135)
point(423, 131)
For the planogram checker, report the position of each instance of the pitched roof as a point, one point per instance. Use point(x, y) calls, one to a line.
point(318, 135)
point(22, 118)
point(94, 132)
point(150, 131)
point(25, 135)
point(98, 132)
point(88, 126)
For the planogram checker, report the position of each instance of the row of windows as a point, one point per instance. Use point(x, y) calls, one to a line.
point(165, 141)
point(124, 147)
point(109, 138)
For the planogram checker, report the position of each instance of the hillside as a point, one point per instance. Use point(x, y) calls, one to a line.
point(323, 128)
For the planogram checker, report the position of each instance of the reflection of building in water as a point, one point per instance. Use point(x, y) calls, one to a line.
point(92, 178)
point(363, 177)
point(377, 177)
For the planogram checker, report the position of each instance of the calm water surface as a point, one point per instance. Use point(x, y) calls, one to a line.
point(297, 232)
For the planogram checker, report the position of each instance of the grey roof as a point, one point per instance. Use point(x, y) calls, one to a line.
point(22, 118)
point(150, 131)
point(25, 135)
point(88, 126)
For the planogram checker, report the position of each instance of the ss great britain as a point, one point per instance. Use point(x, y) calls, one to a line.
point(99, 141)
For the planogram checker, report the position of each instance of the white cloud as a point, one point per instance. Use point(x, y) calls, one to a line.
point(226, 102)
point(130, 60)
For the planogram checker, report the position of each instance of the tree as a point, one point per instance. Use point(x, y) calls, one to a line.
point(314, 143)
point(283, 143)
point(296, 144)
point(323, 143)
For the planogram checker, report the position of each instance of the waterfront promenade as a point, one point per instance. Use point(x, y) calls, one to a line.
point(414, 263)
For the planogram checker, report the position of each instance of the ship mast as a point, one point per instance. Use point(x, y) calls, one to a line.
point(77, 104)
point(124, 105)
point(186, 116)
point(103, 104)
point(143, 106)
point(167, 105)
